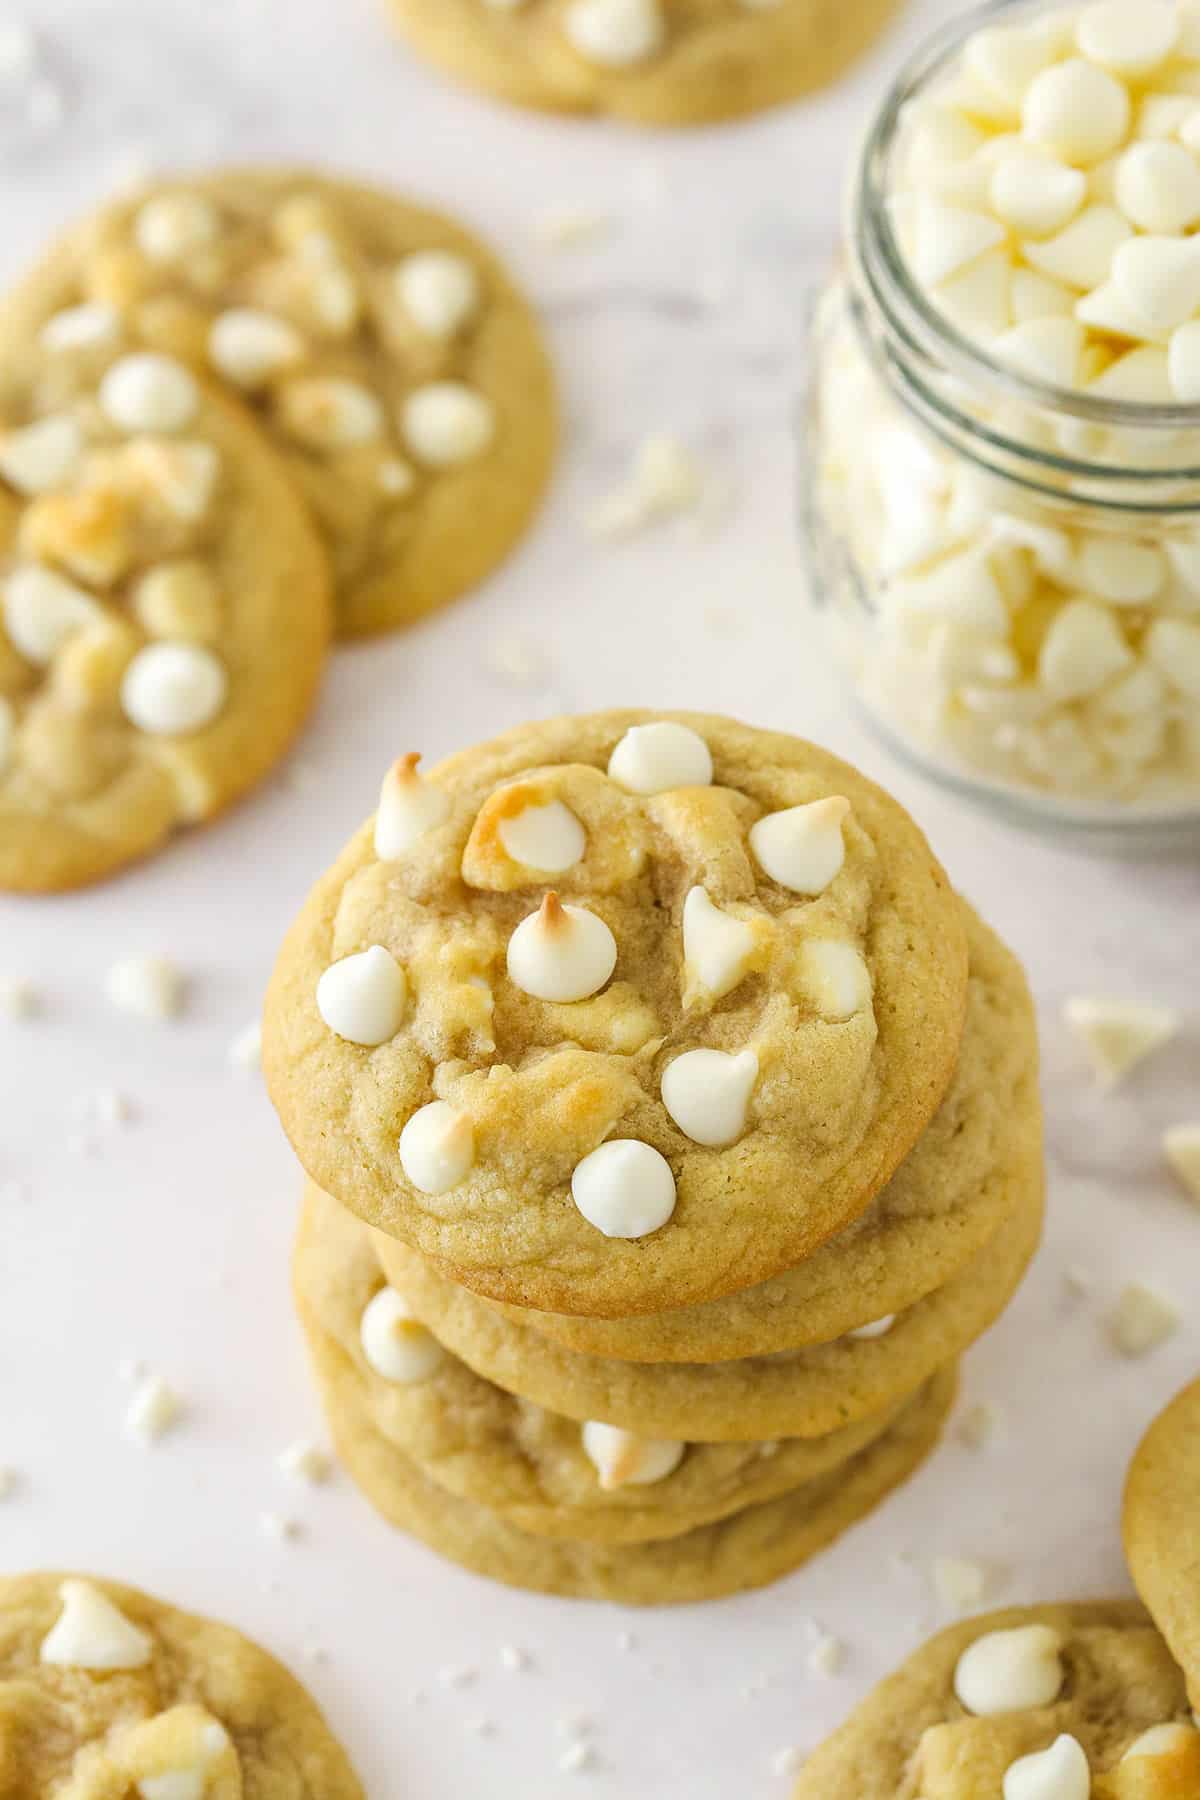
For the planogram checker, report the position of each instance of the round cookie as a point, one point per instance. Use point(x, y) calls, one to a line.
point(747, 1550)
point(1095, 1672)
point(659, 62)
point(105, 1691)
point(961, 1182)
point(1161, 1527)
point(462, 1119)
point(529, 1465)
point(805, 1393)
point(164, 608)
point(399, 373)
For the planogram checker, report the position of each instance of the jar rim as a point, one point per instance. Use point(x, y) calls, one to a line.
point(910, 317)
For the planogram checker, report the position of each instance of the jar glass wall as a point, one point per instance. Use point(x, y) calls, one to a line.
point(1010, 569)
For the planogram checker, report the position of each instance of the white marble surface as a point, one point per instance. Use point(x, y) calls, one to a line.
point(167, 1239)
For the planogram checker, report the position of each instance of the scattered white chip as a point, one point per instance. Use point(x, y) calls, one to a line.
point(665, 479)
point(514, 1659)
point(19, 999)
point(626, 1640)
point(961, 1582)
point(577, 1757)
point(1181, 1147)
point(516, 660)
point(1077, 1282)
point(457, 1675)
point(245, 1050)
point(789, 1761)
point(826, 1657)
point(155, 1407)
point(306, 1462)
point(978, 1425)
point(573, 228)
point(1141, 1320)
point(152, 987)
point(1119, 1034)
point(482, 1727)
point(110, 1107)
point(280, 1527)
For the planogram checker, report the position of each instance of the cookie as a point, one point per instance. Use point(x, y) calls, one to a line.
point(798, 1393)
point(164, 606)
point(674, 1081)
point(544, 1473)
point(947, 1200)
point(400, 375)
point(659, 62)
point(1074, 1688)
point(747, 1550)
point(1161, 1524)
point(105, 1691)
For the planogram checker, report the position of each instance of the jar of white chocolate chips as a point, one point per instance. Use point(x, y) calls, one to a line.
point(1002, 480)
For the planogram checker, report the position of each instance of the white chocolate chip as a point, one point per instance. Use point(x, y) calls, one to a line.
point(82, 327)
point(306, 1462)
point(330, 413)
point(1120, 570)
point(395, 477)
point(146, 391)
point(802, 848)
point(548, 838)
point(152, 1411)
point(173, 1784)
point(826, 1657)
point(248, 347)
point(1158, 187)
point(169, 689)
point(1083, 649)
point(561, 953)
point(652, 759)
point(439, 290)
point(1059, 1773)
point(1161, 1740)
point(961, 1582)
point(707, 1093)
point(173, 226)
point(1141, 1320)
point(446, 423)
point(362, 998)
point(183, 476)
point(1181, 1147)
point(150, 986)
point(92, 1633)
point(1159, 277)
point(1118, 1034)
point(1130, 37)
point(1076, 110)
point(835, 978)
point(394, 1343)
point(1183, 363)
point(47, 454)
point(42, 610)
point(1048, 350)
point(876, 1329)
point(437, 1147)
point(625, 1189)
point(245, 1048)
point(717, 949)
point(947, 238)
point(1081, 254)
point(615, 33)
point(409, 806)
point(1172, 646)
point(623, 1460)
point(1010, 1671)
point(1034, 193)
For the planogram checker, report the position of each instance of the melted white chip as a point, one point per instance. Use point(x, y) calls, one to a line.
point(547, 838)
point(1059, 1773)
point(835, 978)
point(1161, 1740)
point(1010, 1671)
point(623, 1460)
point(172, 688)
point(876, 1329)
point(149, 392)
point(652, 759)
point(395, 1344)
point(42, 610)
point(561, 953)
point(439, 291)
point(92, 1633)
point(82, 327)
point(717, 949)
point(173, 226)
point(803, 848)
point(615, 33)
point(625, 1189)
point(409, 806)
point(446, 423)
point(362, 997)
point(44, 455)
point(707, 1093)
point(437, 1147)
point(248, 346)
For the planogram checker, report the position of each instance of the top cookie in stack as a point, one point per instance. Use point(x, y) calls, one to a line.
point(621, 1013)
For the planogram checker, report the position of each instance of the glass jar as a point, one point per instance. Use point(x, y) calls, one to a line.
point(960, 514)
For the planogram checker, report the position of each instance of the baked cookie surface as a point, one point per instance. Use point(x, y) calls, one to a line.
point(510, 1083)
point(747, 1550)
point(398, 372)
point(1161, 1525)
point(952, 1721)
point(105, 1691)
point(164, 605)
point(965, 1177)
point(659, 62)
point(521, 1461)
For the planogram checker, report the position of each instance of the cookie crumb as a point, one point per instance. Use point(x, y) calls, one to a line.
point(961, 1582)
point(1118, 1034)
point(788, 1761)
point(154, 1409)
point(827, 1657)
point(1181, 1147)
point(279, 1526)
point(19, 999)
point(306, 1462)
point(245, 1050)
point(978, 1425)
point(150, 987)
point(1141, 1320)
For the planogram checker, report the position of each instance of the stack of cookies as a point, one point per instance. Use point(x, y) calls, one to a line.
point(672, 1128)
